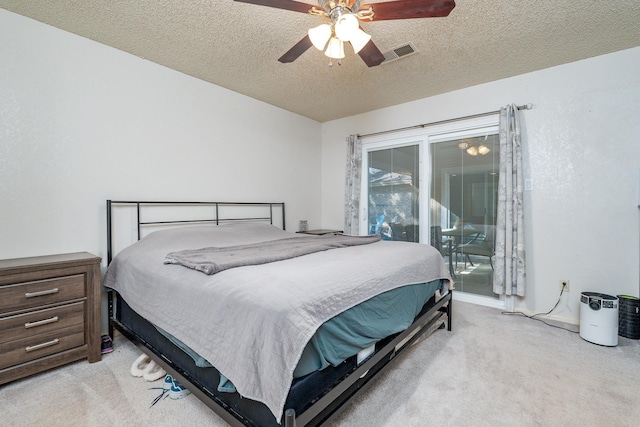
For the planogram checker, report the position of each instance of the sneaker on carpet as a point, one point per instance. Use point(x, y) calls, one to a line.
point(106, 345)
point(168, 382)
point(178, 391)
point(172, 388)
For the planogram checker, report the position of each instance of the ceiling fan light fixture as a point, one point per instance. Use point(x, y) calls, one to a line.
point(335, 48)
point(472, 151)
point(360, 40)
point(320, 35)
point(346, 27)
point(344, 17)
point(483, 149)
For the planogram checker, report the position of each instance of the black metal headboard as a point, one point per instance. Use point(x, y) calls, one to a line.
point(215, 217)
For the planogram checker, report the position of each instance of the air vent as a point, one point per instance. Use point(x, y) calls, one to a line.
point(399, 52)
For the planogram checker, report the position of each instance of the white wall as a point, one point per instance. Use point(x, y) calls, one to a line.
point(582, 151)
point(81, 122)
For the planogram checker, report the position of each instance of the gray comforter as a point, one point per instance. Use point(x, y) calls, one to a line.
point(252, 323)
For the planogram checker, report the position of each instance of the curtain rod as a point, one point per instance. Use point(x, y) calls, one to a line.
point(473, 116)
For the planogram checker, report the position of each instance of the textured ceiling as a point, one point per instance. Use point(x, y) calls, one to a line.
point(236, 45)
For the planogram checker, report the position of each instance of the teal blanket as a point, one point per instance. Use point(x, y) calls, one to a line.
point(363, 325)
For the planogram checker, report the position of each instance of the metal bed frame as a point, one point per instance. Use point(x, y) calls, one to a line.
point(214, 219)
point(327, 406)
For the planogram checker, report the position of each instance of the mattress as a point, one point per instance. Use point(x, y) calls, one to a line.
point(288, 299)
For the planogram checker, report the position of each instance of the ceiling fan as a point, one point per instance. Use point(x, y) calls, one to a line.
point(343, 24)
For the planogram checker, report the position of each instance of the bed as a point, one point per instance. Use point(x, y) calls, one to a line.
point(268, 327)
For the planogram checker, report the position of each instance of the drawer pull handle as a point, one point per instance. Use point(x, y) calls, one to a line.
point(40, 322)
point(40, 293)
point(43, 345)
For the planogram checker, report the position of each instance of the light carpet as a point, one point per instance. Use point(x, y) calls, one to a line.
point(491, 370)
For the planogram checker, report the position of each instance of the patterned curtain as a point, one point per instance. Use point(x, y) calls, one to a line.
point(509, 271)
point(352, 186)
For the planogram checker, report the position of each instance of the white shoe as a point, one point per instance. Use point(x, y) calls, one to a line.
point(141, 363)
point(153, 372)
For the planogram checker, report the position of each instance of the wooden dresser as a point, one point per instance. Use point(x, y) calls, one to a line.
point(49, 313)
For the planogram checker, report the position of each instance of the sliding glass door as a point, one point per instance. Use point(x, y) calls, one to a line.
point(464, 183)
point(438, 186)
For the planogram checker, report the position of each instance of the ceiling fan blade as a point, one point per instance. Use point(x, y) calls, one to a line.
point(297, 50)
point(406, 9)
point(371, 55)
point(295, 6)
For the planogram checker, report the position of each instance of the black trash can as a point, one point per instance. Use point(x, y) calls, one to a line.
point(629, 316)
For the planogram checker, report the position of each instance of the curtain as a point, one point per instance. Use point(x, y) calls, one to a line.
point(352, 185)
point(509, 271)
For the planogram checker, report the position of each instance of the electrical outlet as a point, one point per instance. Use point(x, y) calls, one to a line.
point(565, 283)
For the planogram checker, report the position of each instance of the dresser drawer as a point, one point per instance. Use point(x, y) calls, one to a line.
point(38, 322)
point(27, 349)
point(37, 293)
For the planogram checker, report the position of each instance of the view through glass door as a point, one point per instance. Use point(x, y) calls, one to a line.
point(393, 193)
point(464, 184)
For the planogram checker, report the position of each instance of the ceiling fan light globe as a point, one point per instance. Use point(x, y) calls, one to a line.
point(335, 48)
point(483, 149)
point(346, 27)
point(360, 40)
point(472, 151)
point(320, 35)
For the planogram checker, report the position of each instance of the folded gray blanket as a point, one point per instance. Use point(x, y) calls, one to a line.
point(216, 259)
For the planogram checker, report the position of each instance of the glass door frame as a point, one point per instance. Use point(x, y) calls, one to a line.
point(424, 137)
point(385, 144)
point(481, 128)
